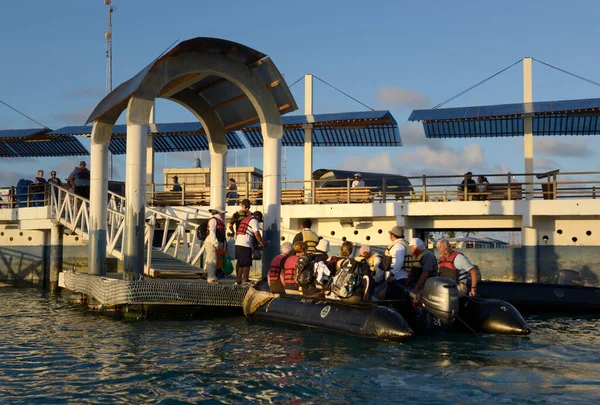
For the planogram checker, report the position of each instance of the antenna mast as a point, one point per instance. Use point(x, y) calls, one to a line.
point(108, 36)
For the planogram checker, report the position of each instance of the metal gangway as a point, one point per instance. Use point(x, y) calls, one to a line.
point(178, 252)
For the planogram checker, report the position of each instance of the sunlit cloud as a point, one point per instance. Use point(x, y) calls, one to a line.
point(392, 95)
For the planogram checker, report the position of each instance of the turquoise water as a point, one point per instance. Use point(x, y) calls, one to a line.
point(54, 352)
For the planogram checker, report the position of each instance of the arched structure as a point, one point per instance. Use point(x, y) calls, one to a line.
point(226, 86)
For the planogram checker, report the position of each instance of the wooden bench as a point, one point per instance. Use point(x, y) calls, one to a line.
point(340, 195)
point(292, 196)
point(500, 191)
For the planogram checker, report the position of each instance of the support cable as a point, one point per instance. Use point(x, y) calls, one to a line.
point(301, 77)
point(24, 115)
point(472, 87)
point(345, 94)
point(567, 72)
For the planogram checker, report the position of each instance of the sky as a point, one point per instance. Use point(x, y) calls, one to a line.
point(390, 55)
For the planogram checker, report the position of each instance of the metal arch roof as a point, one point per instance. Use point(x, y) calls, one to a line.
point(38, 142)
point(227, 99)
point(364, 128)
point(170, 137)
point(566, 117)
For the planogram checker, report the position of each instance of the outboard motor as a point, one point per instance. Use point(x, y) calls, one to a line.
point(569, 277)
point(440, 298)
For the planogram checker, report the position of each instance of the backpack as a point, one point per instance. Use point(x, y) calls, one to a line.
point(349, 277)
point(203, 229)
point(305, 271)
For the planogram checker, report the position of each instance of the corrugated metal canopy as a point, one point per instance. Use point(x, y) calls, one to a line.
point(226, 98)
point(170, 137)
point(38, 142)
point(365, 128)
point(566, 117)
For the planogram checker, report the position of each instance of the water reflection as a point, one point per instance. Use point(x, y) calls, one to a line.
point(55, 352)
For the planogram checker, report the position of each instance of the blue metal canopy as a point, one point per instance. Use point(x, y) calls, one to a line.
point(365, 128)
point(38, 142)
point(566, 117)
point(170, 137)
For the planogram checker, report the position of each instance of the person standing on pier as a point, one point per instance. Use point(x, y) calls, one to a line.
point(176, 185)
point(54, 179)
point(307, 236)
point(358, 181)
point(80, 178)
point(215, 242)
point(232, 194)
point(40, 177)
point(246, 233)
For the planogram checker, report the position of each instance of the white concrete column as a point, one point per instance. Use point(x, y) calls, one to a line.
point(56, 255)
point(529, 248)
point(98, 197)
point(149, 166)
point(218, 170)
point(308, 132)
point(271, 197)
point(528, 126)
point(135, 187)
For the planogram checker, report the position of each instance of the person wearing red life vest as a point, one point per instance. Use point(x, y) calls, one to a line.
point(247, 231)
point(277, 264)
point(214, 244)
point(456, 266)
point(289, 269)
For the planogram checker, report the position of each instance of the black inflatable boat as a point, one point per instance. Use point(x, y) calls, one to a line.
point(369, 321)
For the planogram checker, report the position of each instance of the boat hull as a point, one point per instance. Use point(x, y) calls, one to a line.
point(490, 316)
point(368, 321)
point(543, 298)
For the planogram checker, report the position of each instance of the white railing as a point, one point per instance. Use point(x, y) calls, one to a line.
point(183, 243)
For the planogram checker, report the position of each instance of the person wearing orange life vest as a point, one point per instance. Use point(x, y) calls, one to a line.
point(289, 269)
point(457, 267)
point(275, 283)
point(247, 231)
point(215, 241)
point(307, 236)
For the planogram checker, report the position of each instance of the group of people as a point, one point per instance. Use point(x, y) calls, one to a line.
point(78, 180)
point(475, 190)
point(304, 267)
point(244, 227)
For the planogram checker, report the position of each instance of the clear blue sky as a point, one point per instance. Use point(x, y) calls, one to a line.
point(390, 55)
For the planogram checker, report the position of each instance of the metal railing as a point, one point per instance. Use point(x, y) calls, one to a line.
point(180, 227)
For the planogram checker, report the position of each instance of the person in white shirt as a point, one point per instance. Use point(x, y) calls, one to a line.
point(358, 182)
point(215, 241)
point(247, 231)
point(395, 254)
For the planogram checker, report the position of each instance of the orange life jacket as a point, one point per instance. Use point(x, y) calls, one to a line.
point(276, 266)
point(243, 228)
point(447, 268)
point(289, 273)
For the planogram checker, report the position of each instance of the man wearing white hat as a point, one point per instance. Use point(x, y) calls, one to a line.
point(423, 266)
point(358, 182)
point(215, 241)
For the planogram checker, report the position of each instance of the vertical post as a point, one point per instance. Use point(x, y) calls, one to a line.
point(509, 187)
point(383, 191)
point(348, 191)
point(218, 171)
point(150, 157)
point(98, 198)
point(528, 127)
point(529, 249)
point(56, 255)
point(272, 196)
point(424, 188)
point(135, 186)
point(308, 132)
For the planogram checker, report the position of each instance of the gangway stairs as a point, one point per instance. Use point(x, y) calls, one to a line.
point(176, 256)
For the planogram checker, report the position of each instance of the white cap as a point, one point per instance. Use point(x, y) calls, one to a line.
point(357, 175)
point(323, 246)
point(217, 210)
point(418, 243)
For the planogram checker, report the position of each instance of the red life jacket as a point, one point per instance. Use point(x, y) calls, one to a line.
point(242, 229)
point(220, 229)
point(447, 268)
point(289, 273)
point(276, 266)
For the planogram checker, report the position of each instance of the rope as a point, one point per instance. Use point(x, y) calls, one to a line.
point(301, 77)
point(476, 85)
point(345, 94)
point(24, 115)
point(567, 72)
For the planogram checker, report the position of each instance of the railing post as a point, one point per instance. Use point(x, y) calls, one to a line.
point(348, 189)
point(383, 190)
point(183, 194)
point(13, 197)
point(424, 188)
point(313, 186)
point(509, 189)
point(554, 183)
point(593, 192)
point(28, 195)
point(445, 195)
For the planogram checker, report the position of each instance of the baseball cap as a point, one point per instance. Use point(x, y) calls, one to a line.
point(397, 231)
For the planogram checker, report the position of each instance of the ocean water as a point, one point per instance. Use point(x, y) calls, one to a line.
point(56, 352)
